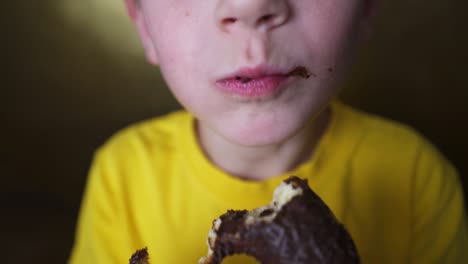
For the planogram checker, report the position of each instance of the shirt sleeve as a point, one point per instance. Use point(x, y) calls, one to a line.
point(100, 236)
point(439, 224)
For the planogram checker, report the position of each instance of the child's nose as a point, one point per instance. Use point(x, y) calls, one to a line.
point(254, 14)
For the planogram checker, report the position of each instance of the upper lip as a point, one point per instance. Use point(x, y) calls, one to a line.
point(256, 72)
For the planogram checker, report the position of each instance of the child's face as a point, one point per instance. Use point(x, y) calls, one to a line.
point(202, 45)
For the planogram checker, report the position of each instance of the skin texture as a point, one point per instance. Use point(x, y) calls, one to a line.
point(197, 43)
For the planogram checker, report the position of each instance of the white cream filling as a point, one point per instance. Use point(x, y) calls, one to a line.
point(281, 196)
point(211, 240)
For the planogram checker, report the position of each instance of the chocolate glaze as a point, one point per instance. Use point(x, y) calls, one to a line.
point(243, 79)
point(140, 257)
point(304, 231)
point(301, 71)
point(232, 219)
point(266, 212)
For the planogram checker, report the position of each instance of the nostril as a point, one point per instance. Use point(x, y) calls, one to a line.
point(265, 18)
point(229, 20)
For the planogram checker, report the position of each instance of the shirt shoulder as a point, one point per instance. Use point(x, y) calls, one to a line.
point(142, 154)
point(129, 170)
point(407, 187)
point(392, 133)
point(388, 143)
point(149, 136)
point(395, 157)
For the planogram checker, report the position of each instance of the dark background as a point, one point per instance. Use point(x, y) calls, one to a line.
point(72, 77)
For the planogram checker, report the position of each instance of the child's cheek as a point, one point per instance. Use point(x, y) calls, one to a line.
point(330, 30)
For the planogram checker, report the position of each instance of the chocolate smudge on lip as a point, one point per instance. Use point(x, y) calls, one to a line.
point(243, 79)
point(246, 80)
point(301, 71)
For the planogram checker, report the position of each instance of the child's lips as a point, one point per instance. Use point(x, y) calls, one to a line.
point(260, 81)
point(253, 87)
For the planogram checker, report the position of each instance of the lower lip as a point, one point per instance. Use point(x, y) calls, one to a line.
point(255, 88)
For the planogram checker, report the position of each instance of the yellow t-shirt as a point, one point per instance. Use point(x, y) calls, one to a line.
point(151, 186)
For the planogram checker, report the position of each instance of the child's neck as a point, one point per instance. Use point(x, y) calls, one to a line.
point(261, 163)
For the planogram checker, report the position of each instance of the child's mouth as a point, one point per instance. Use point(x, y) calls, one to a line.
point(258, 83)
point(300, 71)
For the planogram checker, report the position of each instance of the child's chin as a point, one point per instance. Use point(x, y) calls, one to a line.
point(257, 136)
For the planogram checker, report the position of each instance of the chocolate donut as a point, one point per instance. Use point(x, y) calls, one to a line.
point(140, 257)
point(296, 227)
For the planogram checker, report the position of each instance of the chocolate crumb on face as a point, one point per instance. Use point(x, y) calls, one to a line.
point(140, 257)
point(243, 79)
point(301, 71)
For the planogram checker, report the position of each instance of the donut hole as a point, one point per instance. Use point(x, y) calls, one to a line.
point(240, 258)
